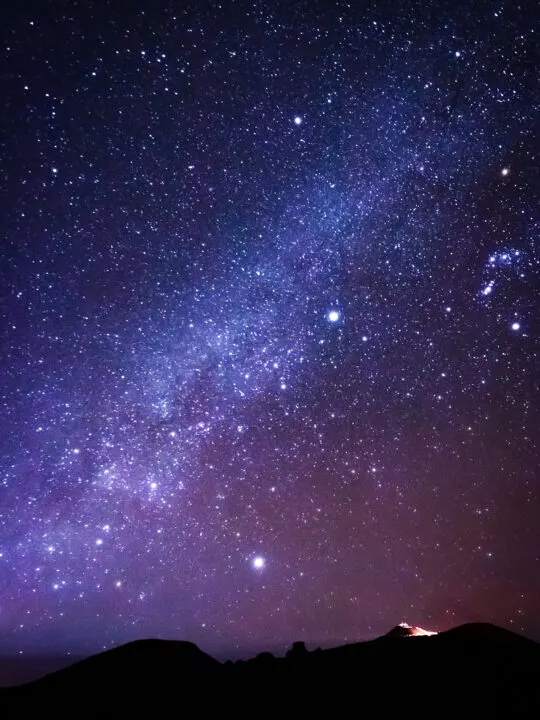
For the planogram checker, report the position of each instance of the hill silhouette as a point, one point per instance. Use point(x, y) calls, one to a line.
point(472, 669)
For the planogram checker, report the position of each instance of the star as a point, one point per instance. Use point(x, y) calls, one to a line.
point(298, 120)
point(488, 288)
point(516, 326)
point(333, 316)
point(258, 562)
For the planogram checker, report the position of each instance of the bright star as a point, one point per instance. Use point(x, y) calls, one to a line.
point(298, 120)
point(515, 326)
point(258, 562)
point(505, 171)
point(333, 316)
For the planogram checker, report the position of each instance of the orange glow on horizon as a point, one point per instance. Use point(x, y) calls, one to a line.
point(416, 630)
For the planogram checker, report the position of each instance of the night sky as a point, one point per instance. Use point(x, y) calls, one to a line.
point(269, 318)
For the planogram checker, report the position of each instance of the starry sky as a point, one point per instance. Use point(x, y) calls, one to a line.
point(269, 320)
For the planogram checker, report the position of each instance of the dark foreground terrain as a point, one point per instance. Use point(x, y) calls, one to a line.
point(475, 670)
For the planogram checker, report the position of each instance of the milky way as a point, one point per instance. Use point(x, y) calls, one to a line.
point(269, 322)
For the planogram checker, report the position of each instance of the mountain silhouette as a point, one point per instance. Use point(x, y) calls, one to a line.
point(472, 669)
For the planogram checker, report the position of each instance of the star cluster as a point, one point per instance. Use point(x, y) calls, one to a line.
point(269, 322)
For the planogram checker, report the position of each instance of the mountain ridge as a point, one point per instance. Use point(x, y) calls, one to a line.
point(486, 665)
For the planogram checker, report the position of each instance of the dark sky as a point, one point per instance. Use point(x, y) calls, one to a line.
point(269, 321)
